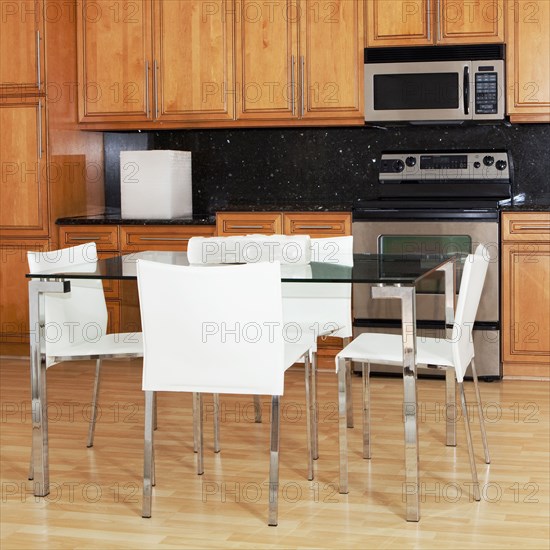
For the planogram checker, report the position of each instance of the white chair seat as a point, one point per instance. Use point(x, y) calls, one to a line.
point(110, 345)
point(387, 349)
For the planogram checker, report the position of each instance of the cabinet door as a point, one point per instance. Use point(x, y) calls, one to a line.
point(526, 303)
point(14, 293)
point(331, 60)
point(463, 21)
point(114, 56)
point(246, 223)
point(399, 22)
point(266, 59)
point(135, 238)
point(528, 61)
point(23, 185)
point(193, 60)
point(317, 224)
point(21, 46)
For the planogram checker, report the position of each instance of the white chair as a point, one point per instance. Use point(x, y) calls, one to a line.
point(75, 324)
point(455, 353)
point(214, 330)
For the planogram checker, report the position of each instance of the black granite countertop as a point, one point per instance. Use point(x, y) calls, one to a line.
point(526, 208)
point(114, 218)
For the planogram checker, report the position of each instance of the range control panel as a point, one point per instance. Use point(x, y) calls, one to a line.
point(456, 165)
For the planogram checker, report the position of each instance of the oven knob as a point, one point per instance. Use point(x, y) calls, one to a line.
point(398, 165)
point(410, 161)
point(500, 164)
point(477, 164)
point(488, 160)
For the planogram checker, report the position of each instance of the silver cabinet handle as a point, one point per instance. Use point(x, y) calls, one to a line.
point(147, 112)
point(164, 238)
point(292, 88)
point(246, 226)
point(314, 227)
point(38, 73)
point(39, 125)
point(438, 20)
point(84, 238)
point(302, 78)
point(429, 19)
point(530, 227)
point(155, 88)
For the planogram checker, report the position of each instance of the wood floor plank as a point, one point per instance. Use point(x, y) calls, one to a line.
point(95, 498)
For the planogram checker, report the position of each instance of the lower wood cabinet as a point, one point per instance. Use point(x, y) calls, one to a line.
point(14, 296)
point(526, 294)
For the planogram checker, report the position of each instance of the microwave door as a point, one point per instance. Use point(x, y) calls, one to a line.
point(417, 92)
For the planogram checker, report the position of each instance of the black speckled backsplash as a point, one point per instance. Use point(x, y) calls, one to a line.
point(329, 168)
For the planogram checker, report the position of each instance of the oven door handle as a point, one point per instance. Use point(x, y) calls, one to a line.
point(466, 90)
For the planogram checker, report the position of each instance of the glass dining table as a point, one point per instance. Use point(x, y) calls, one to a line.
point(393, 276)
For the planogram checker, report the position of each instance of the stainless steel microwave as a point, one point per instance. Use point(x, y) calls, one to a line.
point(431, 84)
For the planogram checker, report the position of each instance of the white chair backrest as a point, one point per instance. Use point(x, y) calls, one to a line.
point(80, 315)
point(469, 296)
point(286, 249)
point(214, 329)
point(324, 306)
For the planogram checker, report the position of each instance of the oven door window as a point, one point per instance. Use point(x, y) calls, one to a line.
point(412, 245)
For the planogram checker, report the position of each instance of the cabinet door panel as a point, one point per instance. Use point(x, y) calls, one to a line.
point(332, 44)
point(194, 60)
point(462, 21)
point(399, 22)
point(23, 207)
point(526, 291)
point(266, 58)
point(114, 52)
point(14, 294)
point(22, 46)
point(528, 59)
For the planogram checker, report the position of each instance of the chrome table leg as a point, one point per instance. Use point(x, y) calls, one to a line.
point(342, 426)
point(274, 461)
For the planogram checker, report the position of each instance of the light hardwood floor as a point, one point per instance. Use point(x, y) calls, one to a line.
point(95, 499)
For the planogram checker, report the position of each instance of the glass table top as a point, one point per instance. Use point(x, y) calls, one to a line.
point(366, 268)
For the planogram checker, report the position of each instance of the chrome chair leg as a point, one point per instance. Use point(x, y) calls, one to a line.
point(148, 464)
point(309, 419)
point(216, 399)
point(95, 395)
point(481, 416)
point(155, 411)
point(314, 405)
point(475, 481)
point(349, 396)
point(257, 409)
point(366, 409)
point(31, 467)
point(342, 425)
point(195, 413)
point(197, 422)
point(274, 461)
point(450, 407)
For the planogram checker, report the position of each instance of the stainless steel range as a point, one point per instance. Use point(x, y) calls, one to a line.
point(440, 202)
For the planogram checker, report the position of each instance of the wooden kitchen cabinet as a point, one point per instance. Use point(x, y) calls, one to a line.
point(247, 223)
point(155, 61)
point(317, 224)
point(137, 238)
point(23, 186)
point(300, 60)
point(14, 294)
point(526, 294)
point(429, 22)
point(528, 61)
point(22, 35)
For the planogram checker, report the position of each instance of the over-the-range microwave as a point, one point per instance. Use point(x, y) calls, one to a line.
point(435, 84)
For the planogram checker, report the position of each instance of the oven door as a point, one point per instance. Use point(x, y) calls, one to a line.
point(418, 91)
point(404, 236)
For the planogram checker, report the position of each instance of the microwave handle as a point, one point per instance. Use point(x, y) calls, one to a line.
point(466, 88)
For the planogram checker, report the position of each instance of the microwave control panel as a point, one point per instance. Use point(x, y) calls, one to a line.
point(486, 92)
point(478, 165)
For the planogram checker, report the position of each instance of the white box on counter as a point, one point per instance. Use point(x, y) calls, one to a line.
point(155, 184)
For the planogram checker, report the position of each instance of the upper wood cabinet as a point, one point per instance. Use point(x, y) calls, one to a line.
point(299, 60)
point(167, 60)
point(193, 60)
point(22, 35)
point(23, 185)
point(528, 61)
point(425, 22)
